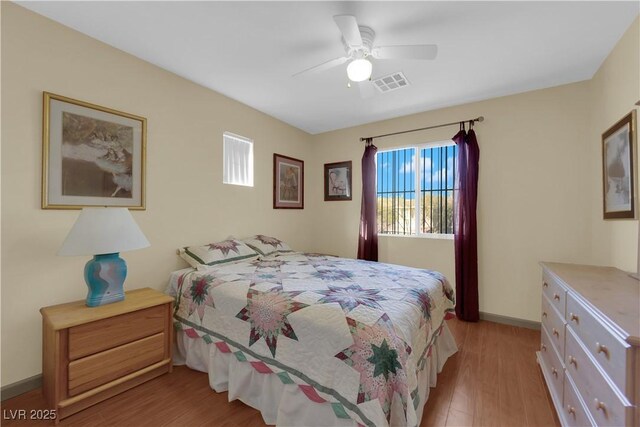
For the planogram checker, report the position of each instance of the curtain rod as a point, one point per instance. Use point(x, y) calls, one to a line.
point(477, 119)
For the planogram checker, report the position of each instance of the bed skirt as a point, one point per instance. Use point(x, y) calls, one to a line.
point(286, 403)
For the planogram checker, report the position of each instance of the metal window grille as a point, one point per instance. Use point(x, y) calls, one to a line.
point(437, 189)
point(396, 191)
point(416, 195)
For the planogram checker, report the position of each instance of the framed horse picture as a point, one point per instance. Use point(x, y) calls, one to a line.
point(92, 155)
point(337, 181)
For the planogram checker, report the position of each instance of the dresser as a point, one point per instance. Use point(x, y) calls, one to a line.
point(93, 353)
point(589, 352)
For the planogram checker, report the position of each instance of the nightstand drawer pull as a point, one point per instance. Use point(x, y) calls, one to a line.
point(556, 333)
point(543, 347)
point(556, 297)
point(573, 361)
point(545, 285)
point(554, 371)
point(571, 410)
point(574, 318)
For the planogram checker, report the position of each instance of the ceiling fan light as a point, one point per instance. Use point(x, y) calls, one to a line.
point(359, 70)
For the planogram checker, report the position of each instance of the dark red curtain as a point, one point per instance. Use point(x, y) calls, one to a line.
point(465, 230)
point(368, 238)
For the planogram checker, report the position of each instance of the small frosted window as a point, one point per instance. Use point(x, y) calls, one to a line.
point(238, 160)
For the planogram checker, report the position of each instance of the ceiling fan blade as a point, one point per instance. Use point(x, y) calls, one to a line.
point(366, 89)
point(349, 29)
point(322, 67)
point(418, 51)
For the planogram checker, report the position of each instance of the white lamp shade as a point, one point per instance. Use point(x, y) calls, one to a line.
point(359, 70)
point(103, 231)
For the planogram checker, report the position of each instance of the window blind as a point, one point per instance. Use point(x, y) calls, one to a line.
point(238, 160)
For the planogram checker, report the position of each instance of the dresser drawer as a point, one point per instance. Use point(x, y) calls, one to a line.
point(574, 412)
point(554, 324)
point(101, 368)
point(606, 407)
point(104, 334)
point(556, 292)
point(552, 366)
point(611, 354)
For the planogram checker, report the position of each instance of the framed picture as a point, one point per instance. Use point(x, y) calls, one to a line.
point(337, 181)
point(618, 168)
point(91, 155)
point(288, 182)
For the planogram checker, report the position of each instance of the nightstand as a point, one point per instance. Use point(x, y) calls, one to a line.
point(92, 353)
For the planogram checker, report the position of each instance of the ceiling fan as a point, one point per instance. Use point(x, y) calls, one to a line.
point(359, 50)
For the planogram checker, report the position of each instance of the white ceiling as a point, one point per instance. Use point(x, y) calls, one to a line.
point(249, 50)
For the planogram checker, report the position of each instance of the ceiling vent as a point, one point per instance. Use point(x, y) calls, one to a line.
point(391, 82)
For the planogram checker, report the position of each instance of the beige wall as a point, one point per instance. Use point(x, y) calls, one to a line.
point(533, 195)
point(614, 91)
point(186, 200)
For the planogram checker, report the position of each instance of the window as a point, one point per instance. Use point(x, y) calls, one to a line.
point(416, 189)
point(238, 160)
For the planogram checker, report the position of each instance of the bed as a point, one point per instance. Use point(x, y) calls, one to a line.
point(310, 339)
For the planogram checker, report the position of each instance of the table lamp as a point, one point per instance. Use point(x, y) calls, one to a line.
point(104, 233)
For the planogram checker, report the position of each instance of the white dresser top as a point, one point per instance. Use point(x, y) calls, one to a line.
point(610, 292)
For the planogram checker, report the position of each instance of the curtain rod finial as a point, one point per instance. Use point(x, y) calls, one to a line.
point(480, 119)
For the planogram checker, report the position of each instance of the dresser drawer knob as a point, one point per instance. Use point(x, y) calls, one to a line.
point(556, 297)
point(573, 361)
point(543, 347)
point(600, 406)
point(554, 371)
point(602, 349)
point(571, 410)
point(545, 285)
point(574, 318)
point(556, 333)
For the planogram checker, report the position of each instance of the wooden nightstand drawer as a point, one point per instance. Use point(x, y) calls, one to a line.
point(114, 363)
point(104, 334)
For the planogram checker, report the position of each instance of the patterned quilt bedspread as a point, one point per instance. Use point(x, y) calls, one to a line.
point(358, 332)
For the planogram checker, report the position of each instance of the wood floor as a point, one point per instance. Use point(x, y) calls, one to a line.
point(493, 380)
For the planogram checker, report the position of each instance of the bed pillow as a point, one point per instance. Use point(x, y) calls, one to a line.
point(226, 251)
point(266, 245)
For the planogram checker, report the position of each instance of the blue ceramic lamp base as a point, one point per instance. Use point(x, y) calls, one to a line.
point(105, 276)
